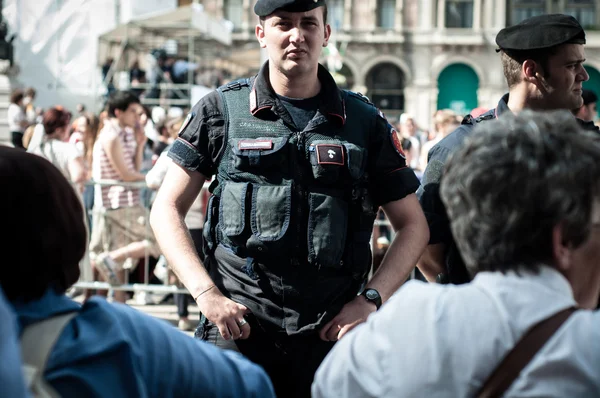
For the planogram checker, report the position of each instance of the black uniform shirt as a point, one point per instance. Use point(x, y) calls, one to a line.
point(293, 299)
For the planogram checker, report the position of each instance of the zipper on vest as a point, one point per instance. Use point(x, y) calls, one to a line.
point(301, 195)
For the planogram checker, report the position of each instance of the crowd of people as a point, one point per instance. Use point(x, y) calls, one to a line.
point(499, 210)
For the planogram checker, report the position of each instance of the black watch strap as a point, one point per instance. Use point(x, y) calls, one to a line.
point(373, 296)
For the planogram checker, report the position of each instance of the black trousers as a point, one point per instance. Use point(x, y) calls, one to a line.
point(290, 361)
point(17, 139)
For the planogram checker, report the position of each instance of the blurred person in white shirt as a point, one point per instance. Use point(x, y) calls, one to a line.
point(16, 118)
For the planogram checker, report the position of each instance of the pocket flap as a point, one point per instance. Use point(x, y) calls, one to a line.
point(271, 211)
point(232, 209)
point(356, 160)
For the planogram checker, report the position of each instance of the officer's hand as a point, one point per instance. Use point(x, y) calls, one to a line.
point(353, 313)
point(225, 314)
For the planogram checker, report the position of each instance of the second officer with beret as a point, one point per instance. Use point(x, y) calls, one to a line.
point(300, 169)
point(542, 58)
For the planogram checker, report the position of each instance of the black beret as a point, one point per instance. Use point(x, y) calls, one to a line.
point(262, 8)
point(589, 97)
point(541, 32)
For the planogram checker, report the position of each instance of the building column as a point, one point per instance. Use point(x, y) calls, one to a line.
point(245, 15)
point(347, 25)
point(500, 14)
point(441, 14)
point(426, 14)
point(398, 17)
point(477, 15)
point(373, 13)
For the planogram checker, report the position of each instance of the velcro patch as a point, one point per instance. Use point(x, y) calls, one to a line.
point(261, 145)
point(330, 154)
point(396, 143)
point(186, 122)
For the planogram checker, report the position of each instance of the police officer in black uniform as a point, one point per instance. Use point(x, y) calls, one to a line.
point(542, 59)
point(300, 168)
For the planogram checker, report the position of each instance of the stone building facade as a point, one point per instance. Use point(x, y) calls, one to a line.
point(417, 56)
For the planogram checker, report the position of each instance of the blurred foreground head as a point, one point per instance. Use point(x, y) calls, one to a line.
point(43, 219)
point(524, 191)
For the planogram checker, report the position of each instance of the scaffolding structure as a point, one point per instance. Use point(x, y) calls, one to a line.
point(186, 32)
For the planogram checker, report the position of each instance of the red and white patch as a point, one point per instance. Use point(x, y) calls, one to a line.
point(255, 145)
point(396, 142)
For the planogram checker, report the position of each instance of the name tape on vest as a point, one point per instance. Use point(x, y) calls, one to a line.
point(261, 145)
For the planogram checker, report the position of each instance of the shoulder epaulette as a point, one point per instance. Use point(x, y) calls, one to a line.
point(235, 85)
point(360, 96)
point(491, 114)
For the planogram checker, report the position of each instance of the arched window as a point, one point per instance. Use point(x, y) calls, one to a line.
point(459, 14)
point(457, 89)
point(385, 85)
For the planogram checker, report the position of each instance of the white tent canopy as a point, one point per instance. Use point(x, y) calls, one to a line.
point(181, 23)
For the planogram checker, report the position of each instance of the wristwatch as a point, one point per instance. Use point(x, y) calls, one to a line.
point(373, 296)
point(442, 278)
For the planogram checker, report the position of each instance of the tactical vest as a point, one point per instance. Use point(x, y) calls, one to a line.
point(294, 197)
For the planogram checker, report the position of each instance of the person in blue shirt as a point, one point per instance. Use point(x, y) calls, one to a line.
point(11, 377)
point(106, 350)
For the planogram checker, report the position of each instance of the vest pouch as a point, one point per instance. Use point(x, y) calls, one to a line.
point(208, 232)
point(232, 211)
point(356, 160)
point(327, 159)
point(327, 230)
point(253, 155)
point(269, 219)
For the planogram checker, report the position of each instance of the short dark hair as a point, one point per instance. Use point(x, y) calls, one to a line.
point(55, 118)
point(44, 217)
point(16, 96)
point(121, 100)
point(514, 180)
point(512, 61)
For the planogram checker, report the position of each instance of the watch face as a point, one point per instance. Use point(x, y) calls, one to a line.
point(371, 294)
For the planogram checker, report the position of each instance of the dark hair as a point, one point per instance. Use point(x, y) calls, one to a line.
point(44, 217)
point(512, 61)
point(589, 97)
point(121, 100)
point(513, 181)
point(55, 118)
point(16, 96)
point(30, 92)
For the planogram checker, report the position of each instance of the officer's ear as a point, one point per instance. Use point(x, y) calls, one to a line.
point(531, 70)
point(327, 35)
point(259, 31)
